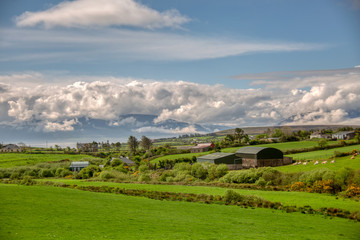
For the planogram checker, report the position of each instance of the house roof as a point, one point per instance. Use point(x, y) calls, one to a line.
point(203, 145)
point(79, 164)
point(126, 160)
point(343, 133)
point(11, 146)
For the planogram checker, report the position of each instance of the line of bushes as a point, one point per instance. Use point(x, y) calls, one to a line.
point(230, 198)
point(316, 148)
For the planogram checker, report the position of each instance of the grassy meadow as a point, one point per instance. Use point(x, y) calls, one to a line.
point(22, 159)
point(340, 162)
point(299, 199)
point(323, 154)
point(33, 212)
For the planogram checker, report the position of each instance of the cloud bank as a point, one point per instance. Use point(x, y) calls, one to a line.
point(95, 13)
point(309, 100)
point(120, 44)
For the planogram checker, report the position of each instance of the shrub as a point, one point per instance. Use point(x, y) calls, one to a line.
point(198, 171)
point(261, 182)
point(115, 162)
point(46, 173)
point(144, 177)
point(143, 168)
point(89, 171)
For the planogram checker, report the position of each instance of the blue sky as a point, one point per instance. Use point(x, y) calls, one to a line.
point(236, 63)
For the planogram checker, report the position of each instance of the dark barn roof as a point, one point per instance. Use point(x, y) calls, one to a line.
point(259, 153)
point(219, 157)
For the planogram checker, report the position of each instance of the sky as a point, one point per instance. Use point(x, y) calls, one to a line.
point(231, 63)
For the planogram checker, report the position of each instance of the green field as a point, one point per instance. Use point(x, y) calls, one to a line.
point(323, 154)
point(281, 146)
point(299, 199)
point(340, 162)
point(39, 212)
point(22, 159)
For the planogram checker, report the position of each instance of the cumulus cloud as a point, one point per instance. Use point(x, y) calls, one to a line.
point(95, 13)
point(178, 130)
point(329, 100)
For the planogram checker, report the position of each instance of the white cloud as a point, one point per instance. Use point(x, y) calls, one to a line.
point(178, 130)
point(66, 125)
point(119, 44)
point(328, 100)
point(95, 13)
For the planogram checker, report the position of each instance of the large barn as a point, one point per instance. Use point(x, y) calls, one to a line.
point(229, 159)
point(261, 157)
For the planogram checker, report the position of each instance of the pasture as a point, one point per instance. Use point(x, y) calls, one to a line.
point(299, 199)
point(340, 162)
point(38, 212)
point(23, 159)
point(323, 154)
point(285, 146)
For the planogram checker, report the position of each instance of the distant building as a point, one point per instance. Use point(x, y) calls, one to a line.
point(344, 135)
point(229, 159)
point(77, 166)
point(320, 135)
point(10, 148)
point(262, 157)
point(203, 147)
point(87, 147)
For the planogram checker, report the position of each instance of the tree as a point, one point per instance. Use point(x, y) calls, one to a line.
point(145, 143)
point(239, 134)
point(117, 146)
point(133, 144)
point(322, 143)
point(357, 137)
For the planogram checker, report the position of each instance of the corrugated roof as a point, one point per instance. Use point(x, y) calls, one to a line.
point(250, 150)
point(79, 164)
point(216, 155)
point(126, 160)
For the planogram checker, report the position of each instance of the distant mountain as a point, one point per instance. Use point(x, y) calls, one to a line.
point(86, 130)
point(260, 130)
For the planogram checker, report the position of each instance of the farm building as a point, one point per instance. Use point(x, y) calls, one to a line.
point(344, 135)
point(229, 159)
point(203, 147)
point(261, 157)
point(77, 166)
point(10, 148)
point(320, 135)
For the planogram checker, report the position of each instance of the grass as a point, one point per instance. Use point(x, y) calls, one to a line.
point(323, 154)
point(57, 213)
point(315, 200)
point(22, 159)
point(176, 156)
point(281, 146)
point(340, 162)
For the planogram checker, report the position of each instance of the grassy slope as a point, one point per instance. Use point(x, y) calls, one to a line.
point(315, 200)
point(323, 154)
point(57, 213)
point(21, 159)
point(341, 162)
point(282, 146)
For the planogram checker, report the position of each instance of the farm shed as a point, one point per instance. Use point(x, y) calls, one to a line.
point(77, 166)
point(203, 147)
point(261, 157)
point(229, 159)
